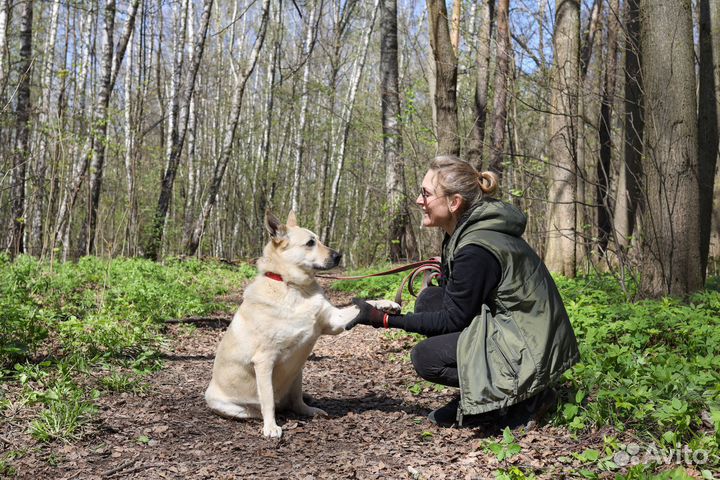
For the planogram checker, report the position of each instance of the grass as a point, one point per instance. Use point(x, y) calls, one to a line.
point(73, 332)
point(650, 367)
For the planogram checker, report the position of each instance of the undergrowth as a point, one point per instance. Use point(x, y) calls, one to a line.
point(74, 331)
point(650, 368)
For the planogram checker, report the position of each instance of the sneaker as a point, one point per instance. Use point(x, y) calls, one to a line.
point(447, 416)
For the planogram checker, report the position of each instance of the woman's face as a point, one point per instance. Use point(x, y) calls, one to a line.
point(435, 205)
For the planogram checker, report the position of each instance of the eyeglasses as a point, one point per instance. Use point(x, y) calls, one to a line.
point(426, 195)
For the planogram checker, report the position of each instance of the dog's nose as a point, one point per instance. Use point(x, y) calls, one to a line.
point(336, 256)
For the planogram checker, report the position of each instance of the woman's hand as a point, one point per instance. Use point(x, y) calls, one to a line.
point(368, 315)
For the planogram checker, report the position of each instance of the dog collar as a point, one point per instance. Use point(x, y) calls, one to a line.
point(274, 276)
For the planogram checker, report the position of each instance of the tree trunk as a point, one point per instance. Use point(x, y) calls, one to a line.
point(176, 140)
point(87, 238)
point(446, 79)
point(310, 36)
point(21, 155)
point(708, 118)
point(560, 252)
point(670, 245)
point(392, 135)
point(228, 136)
point(39, 180)
point(262, 192)
point(629, 198)
point(455, 32)
point(348, 114)
point(604, 165)
point(80, 156)
point(111, 60)
point(482, 82)
point(4, 15)
point(501, 85)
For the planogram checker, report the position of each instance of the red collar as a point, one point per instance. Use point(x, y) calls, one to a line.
point(274, 276)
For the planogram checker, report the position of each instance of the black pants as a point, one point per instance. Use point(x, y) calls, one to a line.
point(435, 359)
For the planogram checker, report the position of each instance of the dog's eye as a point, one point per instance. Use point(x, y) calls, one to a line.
point(310, 243)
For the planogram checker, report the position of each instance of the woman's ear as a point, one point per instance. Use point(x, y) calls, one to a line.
point(454, 203)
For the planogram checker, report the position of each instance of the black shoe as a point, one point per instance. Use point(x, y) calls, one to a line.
point(530, 411)
point(447, 417)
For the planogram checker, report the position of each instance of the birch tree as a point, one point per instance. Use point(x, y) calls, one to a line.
point(21, 155)
point(80, 156)
point(40, 193)
point(177, 136)
point(228, 135)
point(111, 60)
point(4, 14)
point(308, 45)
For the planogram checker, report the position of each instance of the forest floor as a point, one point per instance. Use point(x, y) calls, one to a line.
point(376, 427)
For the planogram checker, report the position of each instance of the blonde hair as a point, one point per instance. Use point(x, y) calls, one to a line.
point(456, 176)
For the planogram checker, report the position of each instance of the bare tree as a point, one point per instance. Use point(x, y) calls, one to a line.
point(560, 253)
point(111, 60)
point(482, 82)
point(347, 115)
point(228, 135)
point(22, 137)
point(629, 199)
point(709, 81)
point(671, 222)
point(604, 165)
point(502, 76)
point(392, 135)
point(310, 36)
point(39, 174)
point(445, 79)
point(177, 134)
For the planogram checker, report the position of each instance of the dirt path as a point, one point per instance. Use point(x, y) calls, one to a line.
point(376, 427)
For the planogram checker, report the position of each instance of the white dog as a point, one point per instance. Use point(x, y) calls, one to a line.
point(259, 362)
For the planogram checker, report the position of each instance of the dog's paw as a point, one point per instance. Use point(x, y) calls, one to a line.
point(385, 305)
point(272, 431)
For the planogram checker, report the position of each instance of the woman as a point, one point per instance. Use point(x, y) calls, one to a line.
point(497, 328)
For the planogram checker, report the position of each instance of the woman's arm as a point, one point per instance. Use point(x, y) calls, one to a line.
point(476, 274)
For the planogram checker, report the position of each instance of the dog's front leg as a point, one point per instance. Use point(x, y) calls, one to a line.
point(266, 397)
point(297, 403)
point(335, 319)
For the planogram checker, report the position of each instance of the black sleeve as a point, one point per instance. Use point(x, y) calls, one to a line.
point(475, 275)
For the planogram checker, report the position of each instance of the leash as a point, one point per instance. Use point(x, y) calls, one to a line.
point(430, 270)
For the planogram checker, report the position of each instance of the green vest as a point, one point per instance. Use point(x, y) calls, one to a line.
point(522, 340)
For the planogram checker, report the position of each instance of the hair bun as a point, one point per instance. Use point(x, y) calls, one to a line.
point(488, 182)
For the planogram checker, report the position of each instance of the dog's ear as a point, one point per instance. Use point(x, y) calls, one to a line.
point(292, 220)
point(275, 228)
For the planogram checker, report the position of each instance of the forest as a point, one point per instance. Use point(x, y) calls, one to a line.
point(162, 128)
point(142, 142)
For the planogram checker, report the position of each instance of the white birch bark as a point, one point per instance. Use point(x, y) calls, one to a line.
point(36, 247)
point(346, 122)
point(228, 136)
point(304, 98)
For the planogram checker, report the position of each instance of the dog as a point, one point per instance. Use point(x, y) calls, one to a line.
point(259, 362)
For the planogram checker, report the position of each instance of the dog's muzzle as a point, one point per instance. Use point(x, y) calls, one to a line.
point(332, 261)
